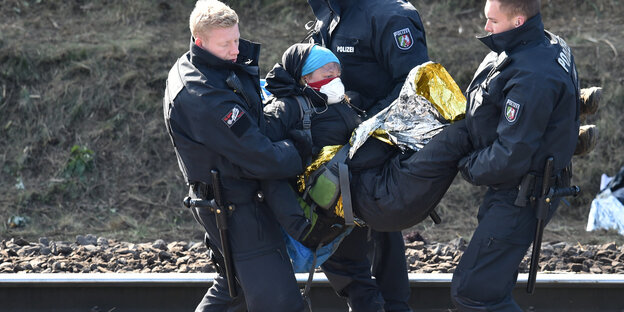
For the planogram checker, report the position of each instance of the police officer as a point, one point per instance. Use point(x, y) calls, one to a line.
point(378, 42)
point(213, 112)
point(523, 107)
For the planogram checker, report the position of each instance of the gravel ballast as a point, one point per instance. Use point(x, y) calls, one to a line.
point(92, 254)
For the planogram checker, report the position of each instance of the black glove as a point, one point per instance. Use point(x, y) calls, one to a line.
point(303, 143)
point(355, 101)
point(324, 228)
point(462, 166)
point(354, 98)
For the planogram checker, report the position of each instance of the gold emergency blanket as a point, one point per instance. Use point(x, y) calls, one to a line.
point(428, 101)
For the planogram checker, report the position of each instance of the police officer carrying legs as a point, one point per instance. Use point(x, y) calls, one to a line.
point(523, 108)
point(378, 42)
point(213, 112)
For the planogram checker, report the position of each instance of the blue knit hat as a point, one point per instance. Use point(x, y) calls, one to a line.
point(317, 58)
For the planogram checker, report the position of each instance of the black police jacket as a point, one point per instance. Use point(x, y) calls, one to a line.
point(213, 126)
point(330, 124)
point(377, 42)
point(523, 106)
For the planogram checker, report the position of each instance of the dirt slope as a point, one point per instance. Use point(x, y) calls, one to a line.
point(83, 146)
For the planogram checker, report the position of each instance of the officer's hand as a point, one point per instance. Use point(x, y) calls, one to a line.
point(303, 143)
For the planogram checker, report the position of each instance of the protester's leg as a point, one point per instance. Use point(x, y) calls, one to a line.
point(487, 272)
point(439, 157)
point(373, 153)
point(390, 270)
point(436, 158)
point(349, 272)
point(403, 191)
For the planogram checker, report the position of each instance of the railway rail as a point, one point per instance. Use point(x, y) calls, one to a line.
point(171, 292)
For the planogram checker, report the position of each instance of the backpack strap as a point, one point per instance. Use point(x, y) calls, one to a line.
point(345, 190)
point(306, 290)
point(345, 185)
point(340, 162)
point(306, 114)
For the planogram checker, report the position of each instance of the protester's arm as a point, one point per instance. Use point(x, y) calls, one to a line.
point(282, 200)
point(280, 119)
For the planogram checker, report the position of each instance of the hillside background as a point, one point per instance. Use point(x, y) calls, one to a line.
point(83, 147)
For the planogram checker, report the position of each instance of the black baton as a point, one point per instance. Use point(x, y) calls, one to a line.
point(221, 215)
point(216, 206)
point(435, 217)
point(547, 195)
point(540, 213)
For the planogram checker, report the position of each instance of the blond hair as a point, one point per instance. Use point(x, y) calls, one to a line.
point(209, 14)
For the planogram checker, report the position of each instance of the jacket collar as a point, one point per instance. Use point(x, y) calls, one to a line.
point(529, 34)
point(322, 8)
point(328, 13)
point(249, 53)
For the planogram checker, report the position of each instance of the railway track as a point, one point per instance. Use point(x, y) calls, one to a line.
point(171, 292)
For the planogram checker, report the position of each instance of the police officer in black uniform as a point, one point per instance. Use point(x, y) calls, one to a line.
point(213, 111)
point(378, 42)
point(523, 107)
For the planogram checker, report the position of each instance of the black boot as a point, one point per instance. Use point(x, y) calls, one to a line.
point(590, 101)
point(587, 138)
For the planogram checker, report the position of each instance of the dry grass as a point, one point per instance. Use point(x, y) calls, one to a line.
point(92, 75)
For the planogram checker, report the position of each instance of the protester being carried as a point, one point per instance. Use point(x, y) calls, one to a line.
point(392, 187)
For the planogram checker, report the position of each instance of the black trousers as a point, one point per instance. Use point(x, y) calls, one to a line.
point(487, 272)
point(401, 192)
point(350, 274)
point(256, 242)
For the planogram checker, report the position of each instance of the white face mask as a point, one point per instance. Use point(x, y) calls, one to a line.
point(334, 90)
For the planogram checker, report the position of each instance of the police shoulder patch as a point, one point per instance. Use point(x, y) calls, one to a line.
point(403, 38)
point(512, 110)
point(236, 120)
point(233, 116)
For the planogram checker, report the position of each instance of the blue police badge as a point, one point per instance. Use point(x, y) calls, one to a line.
point(404, 38)
point(233, 116)
point(512, 109)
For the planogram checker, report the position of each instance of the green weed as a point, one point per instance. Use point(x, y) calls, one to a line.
point(80, 162)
